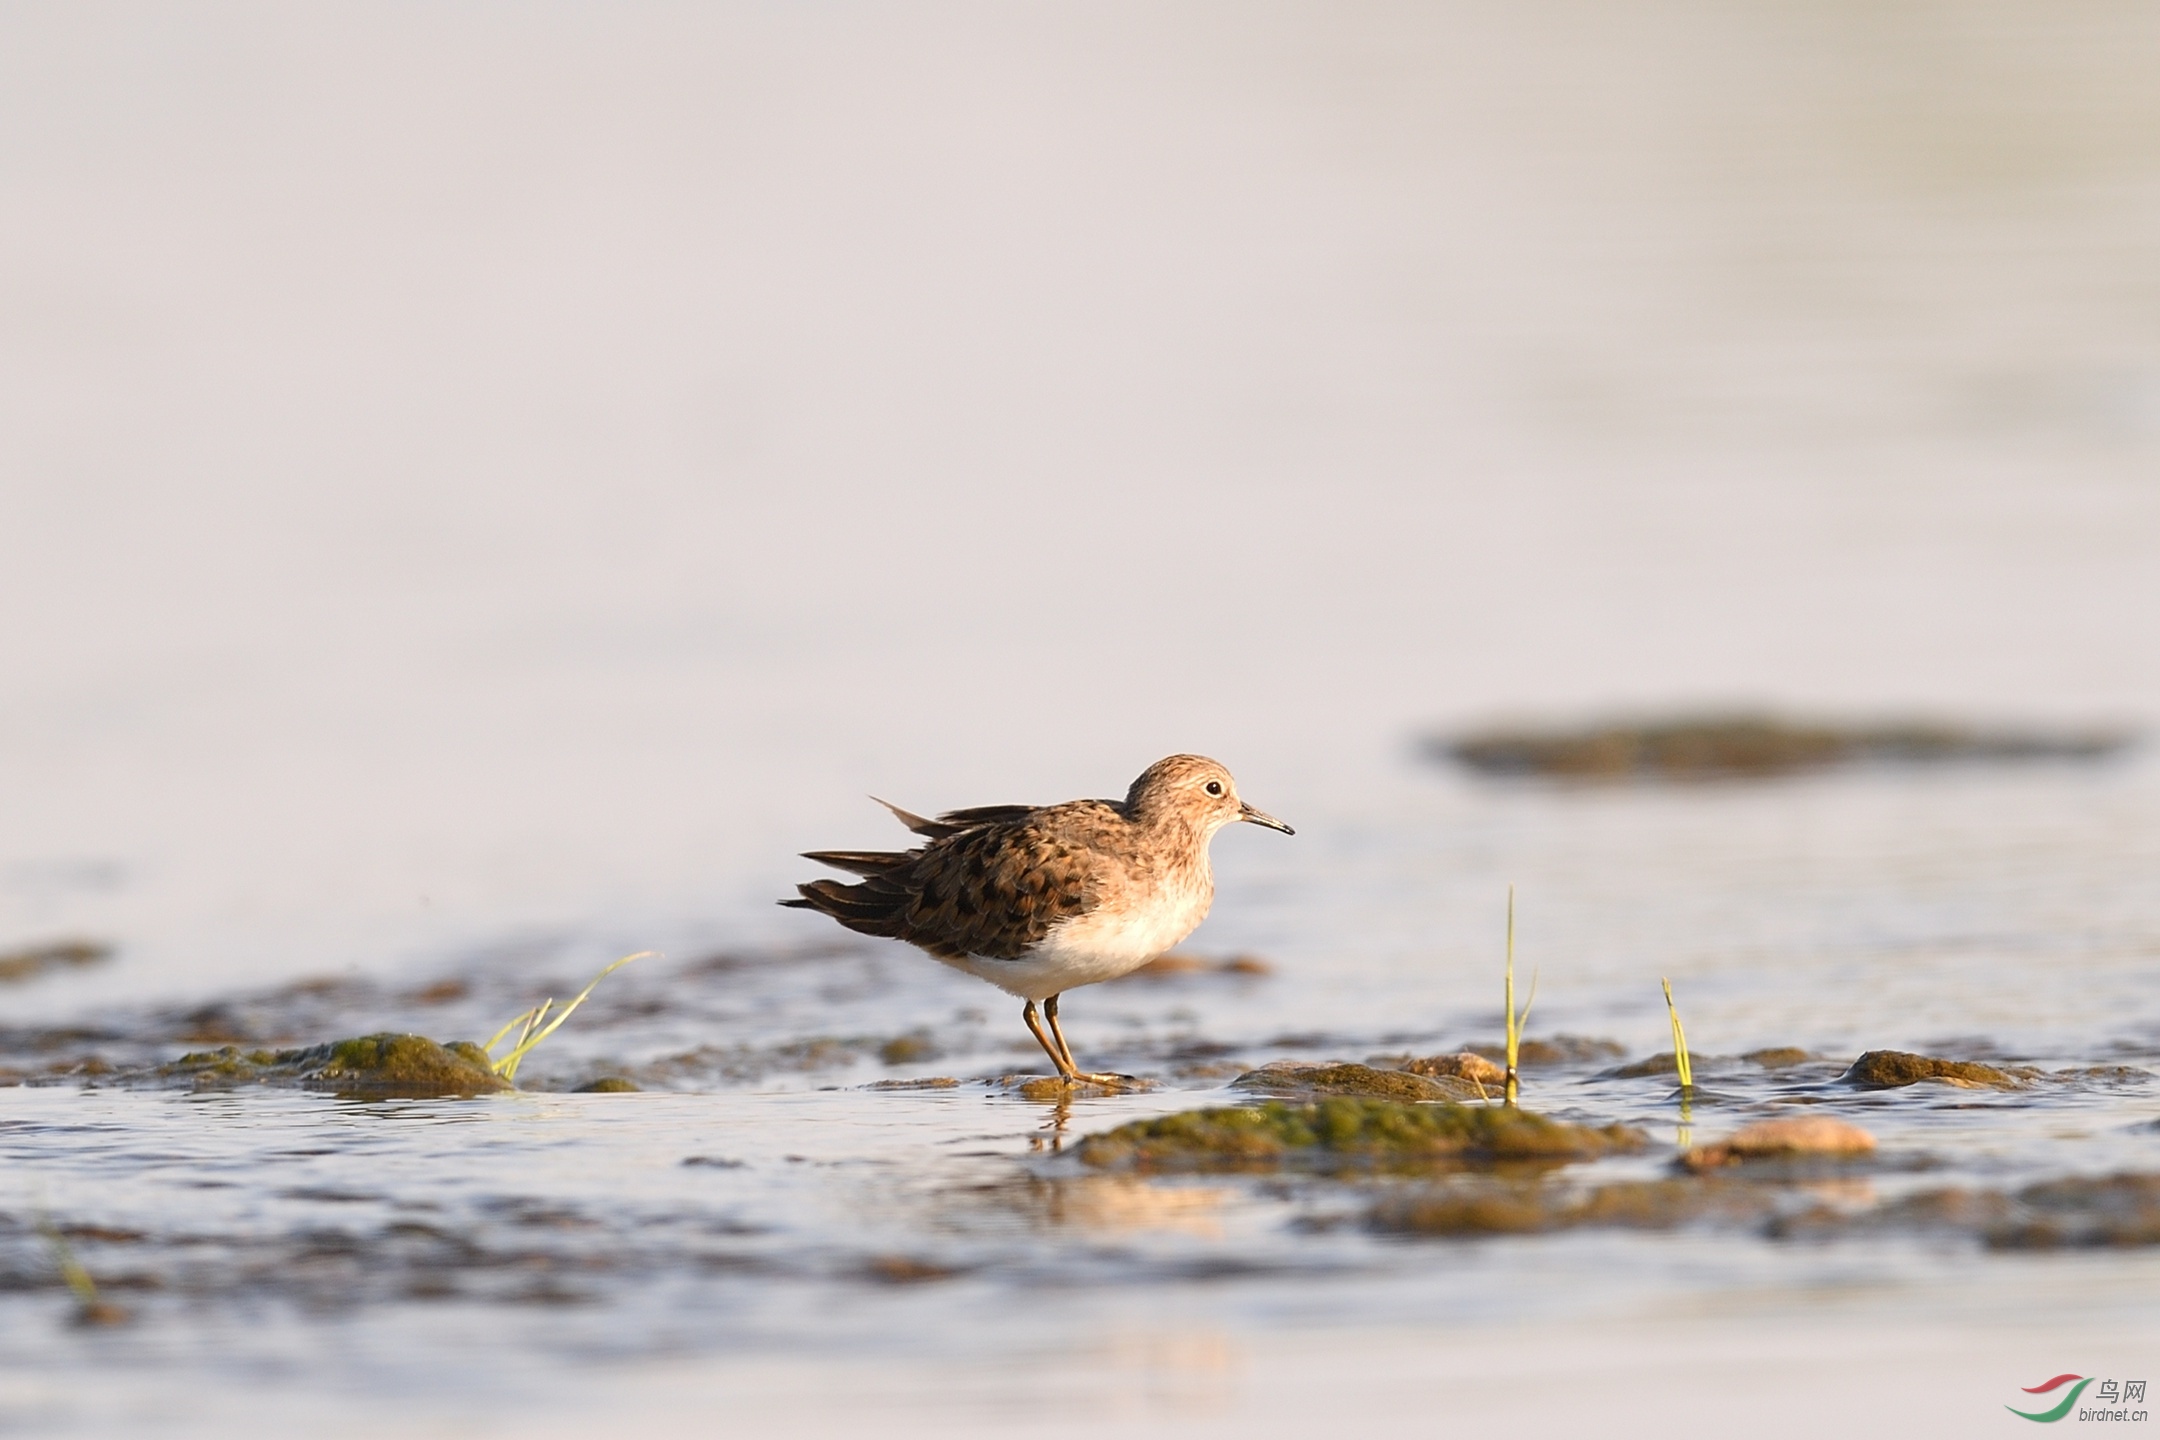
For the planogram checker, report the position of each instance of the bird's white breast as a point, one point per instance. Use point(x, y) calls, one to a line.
point(1111, 940)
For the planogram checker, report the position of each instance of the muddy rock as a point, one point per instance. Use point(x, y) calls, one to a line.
point(1742, 746)
point(1288, 1078)
point(1343, 1132)
point(33, 961)
point(1177, 964)
point(1554, 1050)
point(1463, 1065)
point(1662, 1063)
point(2082, 1211)
point(1533, 1207)
point(1889, 1069)
point(910, 1049)
point(1778, 1057)
point(1785, 1137)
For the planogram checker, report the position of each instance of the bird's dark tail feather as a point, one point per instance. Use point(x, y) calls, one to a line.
point(874, 907)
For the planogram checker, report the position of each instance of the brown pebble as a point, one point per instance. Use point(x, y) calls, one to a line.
point(1462, 1065)
point(1788, 1135)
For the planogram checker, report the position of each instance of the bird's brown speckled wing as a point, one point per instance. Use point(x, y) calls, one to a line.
point(992, 885)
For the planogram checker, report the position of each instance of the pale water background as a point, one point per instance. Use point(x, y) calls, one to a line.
point(481, 486)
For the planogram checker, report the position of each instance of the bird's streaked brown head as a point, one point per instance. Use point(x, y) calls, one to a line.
point(1195, 790)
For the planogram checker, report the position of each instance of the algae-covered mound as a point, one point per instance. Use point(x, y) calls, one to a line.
point(382, 1066)
point(1343, 1132)
point(1889, 1069)
point(1289, 1079)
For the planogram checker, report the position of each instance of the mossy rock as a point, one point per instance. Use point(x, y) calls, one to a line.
point(608, 1085)
point(382, 1066)
point(1778, 1057)
point(1347, 1132)
point(1889, 1069)
point(1287, 1079)
point(389, 1065)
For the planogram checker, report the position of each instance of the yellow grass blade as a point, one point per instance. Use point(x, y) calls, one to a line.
point(534, 1032)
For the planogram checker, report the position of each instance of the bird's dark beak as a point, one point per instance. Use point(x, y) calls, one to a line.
point(1261, 817)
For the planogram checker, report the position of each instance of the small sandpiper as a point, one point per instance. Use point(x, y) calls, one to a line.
point(1039, 899)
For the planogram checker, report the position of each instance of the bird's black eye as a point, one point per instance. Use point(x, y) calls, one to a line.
point(1214, 787)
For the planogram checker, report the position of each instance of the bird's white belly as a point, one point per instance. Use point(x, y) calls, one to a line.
point(1100, 945)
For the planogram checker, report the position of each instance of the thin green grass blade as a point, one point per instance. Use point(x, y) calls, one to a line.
point(1679, 1039)
point(1514, 1027)
point(507, 1066)
point(524, 1019)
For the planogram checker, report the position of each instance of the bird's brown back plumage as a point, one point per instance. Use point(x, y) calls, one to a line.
point(991, 882)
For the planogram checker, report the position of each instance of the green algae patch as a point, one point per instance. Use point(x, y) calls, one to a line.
point(382, 1066)
point(1307, 1081)
point(1346, 1132)
point(389, 1065)
point(1890, 1069)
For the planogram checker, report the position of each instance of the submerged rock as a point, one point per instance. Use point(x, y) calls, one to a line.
point(1889, 1069)
point(31, 961)
point(1743, 746)
point(1554, 1050)
point(1527, 1208)
point(1662, 1063)
point(2083, 1211)
point(1345, 1132)
point(1778, 1057)
point(382, 1066)
point(608, 1085)
point(1177, 963)
point(1289, 1078)
point(2080, 1212)
point(1783, 1138)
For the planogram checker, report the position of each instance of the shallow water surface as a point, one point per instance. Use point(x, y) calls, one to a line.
point(787, 1187)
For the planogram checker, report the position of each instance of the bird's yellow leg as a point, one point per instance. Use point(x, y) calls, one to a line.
point(1064, 1066)
point(1072, 1067)
point(1057, 1033)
